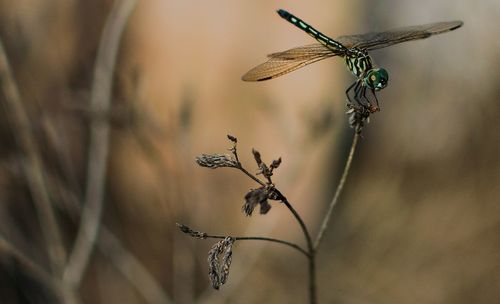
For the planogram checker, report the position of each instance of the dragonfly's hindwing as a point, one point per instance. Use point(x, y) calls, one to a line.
point(353, 47)
point(378, 40)
point(285, 62)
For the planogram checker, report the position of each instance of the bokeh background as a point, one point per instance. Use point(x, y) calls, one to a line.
point(419, 221)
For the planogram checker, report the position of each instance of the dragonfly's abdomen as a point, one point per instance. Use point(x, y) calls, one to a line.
point(358, 62)
point(326, 41)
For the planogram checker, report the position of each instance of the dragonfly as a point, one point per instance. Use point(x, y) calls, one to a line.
point(354, 50)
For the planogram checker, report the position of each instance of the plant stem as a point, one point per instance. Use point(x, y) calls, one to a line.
point(311, 251)
point(99, 141)
point(312, 278)
point(260, 238)
point(301, 223)
point(338, 191)
point(250, 175)
point(32, 164)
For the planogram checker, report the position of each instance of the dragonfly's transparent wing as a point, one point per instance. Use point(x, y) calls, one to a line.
point(372, 41)
point(285, 62)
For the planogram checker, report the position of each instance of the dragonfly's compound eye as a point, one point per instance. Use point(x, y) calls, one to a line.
point(377, 79)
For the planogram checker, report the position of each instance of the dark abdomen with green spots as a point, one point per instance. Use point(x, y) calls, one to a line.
point(330, 43)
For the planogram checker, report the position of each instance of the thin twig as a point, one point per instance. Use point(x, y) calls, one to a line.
point(301, 223)
point(260, 238)
point(311, 253)
point(338, 191)
point(99, 141)
point(250, 175)
point(32, 166)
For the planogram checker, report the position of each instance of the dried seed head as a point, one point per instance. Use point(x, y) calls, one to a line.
point(264, 207)
point(256, 155)
point(358, 118)
point(214, 161)
point(191, 232)
point(227, 258)
point(232, 138)
point(276, 163)
point(218, 272)
point(256, 197)
point(264, 170)
point(213, 264)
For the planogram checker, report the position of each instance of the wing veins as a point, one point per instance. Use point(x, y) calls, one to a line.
point(290, 60)
point(377, 40)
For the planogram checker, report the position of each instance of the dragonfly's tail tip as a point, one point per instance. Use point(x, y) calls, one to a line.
point(282, 13)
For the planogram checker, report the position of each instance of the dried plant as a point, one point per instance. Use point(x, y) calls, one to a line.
point(218, 272)
point(220, 255)
point(214, 161)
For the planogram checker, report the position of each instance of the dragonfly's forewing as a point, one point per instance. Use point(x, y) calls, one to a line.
point(285, 62)
point(377, 40)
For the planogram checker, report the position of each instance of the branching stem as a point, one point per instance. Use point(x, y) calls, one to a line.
point(250, 175)
point(312, 248)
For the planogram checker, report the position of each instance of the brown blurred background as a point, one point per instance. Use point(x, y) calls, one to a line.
point(419, 221)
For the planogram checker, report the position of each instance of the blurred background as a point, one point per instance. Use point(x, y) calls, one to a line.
point(419, 220)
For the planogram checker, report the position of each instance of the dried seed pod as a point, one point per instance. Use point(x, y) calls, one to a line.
point(219, 272)
point(191, 232)
point(264, 207)
point(256, 197)
point(276, 163)
point(256, 155)
point(227, 258)
point(214, 161)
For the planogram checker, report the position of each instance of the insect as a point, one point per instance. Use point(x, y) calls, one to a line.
point(354, 50)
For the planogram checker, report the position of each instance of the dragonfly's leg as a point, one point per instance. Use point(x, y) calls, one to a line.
point(363, 96)
point(369, 106)
point(360, 91)
point(376, 100)
point(354, 105)
point(348, 90)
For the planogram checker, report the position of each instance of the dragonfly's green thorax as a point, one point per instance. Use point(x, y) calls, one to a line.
point(360, 65)
point(358, 62)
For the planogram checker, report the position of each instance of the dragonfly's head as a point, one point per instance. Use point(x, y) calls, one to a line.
point(376, 79)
